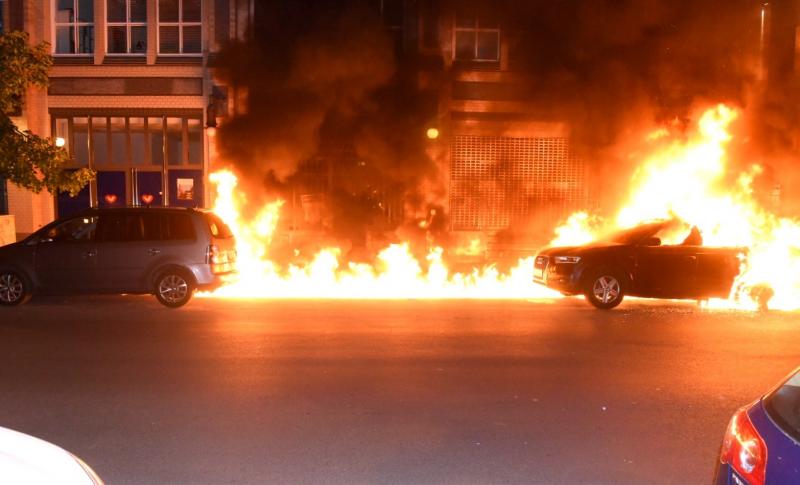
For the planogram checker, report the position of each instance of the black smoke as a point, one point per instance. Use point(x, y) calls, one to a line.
point(328, 84)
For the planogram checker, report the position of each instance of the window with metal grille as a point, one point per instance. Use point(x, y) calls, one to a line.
point(498, 182)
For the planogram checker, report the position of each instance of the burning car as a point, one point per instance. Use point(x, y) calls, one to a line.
point(635, 262)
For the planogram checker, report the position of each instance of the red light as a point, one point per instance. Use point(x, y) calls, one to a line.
point(744, 450)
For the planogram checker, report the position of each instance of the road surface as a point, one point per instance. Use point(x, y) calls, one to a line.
point(386, 392)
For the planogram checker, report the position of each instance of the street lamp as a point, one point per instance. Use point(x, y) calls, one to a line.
point(60, 142)
point(432, 133)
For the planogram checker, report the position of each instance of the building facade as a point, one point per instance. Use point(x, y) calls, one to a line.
point(128, 97)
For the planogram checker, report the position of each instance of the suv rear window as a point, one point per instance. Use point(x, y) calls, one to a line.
point(783, 406)
point(218, 228)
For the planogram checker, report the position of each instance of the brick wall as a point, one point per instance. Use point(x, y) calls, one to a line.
point(31, 211)
point(7, 232)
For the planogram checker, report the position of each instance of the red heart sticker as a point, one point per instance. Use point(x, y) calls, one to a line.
point(111, 198)
point(147, 198)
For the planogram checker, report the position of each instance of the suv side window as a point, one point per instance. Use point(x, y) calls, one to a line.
point(151, 226)
point(78, 229)
point(121, 226)
point(177, 227)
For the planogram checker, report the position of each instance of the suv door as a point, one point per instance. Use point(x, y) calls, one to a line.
point(125, 249)
point(66, 256)
point(666, 271)
point(133, 244)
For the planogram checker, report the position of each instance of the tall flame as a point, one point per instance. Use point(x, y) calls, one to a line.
point(682, 178)
point(397, 274)
point(689, 180)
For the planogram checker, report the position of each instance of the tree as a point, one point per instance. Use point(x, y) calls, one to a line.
point(26, 159)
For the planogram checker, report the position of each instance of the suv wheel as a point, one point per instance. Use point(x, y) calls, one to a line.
point(174, 289)
point(13, 289)
point(605, 289)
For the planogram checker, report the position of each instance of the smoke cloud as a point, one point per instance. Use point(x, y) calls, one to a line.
point(324, 80)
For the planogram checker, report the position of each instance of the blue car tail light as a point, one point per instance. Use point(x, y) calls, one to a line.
point(744, 449)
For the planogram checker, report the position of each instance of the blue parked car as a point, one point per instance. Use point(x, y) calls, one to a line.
point(762, 442)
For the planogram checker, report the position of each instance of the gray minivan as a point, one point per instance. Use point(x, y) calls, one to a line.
point(167, 252)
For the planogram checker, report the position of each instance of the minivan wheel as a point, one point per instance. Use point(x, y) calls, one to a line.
point(605, 289)
point(174, 289)
point(13, 289)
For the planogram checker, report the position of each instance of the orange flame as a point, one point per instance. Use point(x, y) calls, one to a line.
point(682, 178)
point(396, 275)
point(686, 180)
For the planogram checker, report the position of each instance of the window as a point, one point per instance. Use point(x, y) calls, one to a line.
point(179, 30)
point(127, 26)
point(3, 197)
point(392, 14)
point(155, 127)
point(217, 227)
point(100, 140)
point(178, 227)
point(118, 227)
point(74, 26)
point(175, 141)
point(476, 38)
point(79, 229)
point(80, 129)
point(118, 141)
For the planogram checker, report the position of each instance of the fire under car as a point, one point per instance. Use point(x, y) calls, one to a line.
point(634, 262)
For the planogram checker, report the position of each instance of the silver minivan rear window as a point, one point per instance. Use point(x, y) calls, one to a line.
point(783, 406)
point(218, 228)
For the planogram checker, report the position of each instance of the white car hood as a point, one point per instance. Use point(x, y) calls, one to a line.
point(27, 460)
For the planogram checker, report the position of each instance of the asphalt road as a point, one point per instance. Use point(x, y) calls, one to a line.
point(386, 392)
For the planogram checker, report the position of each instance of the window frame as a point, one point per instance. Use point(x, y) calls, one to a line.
point(147, 163)
point(180, 24)
point(76, 24)
point(128, 24)
point(476, 30)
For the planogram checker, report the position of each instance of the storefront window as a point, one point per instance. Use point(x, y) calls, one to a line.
point(100, 140)
point(155, 127)
point(61, 133)
point(131, 141)
point(175, 141)
point(138, 141)
point(80, 132)
point(195, 137)
point(119, 141)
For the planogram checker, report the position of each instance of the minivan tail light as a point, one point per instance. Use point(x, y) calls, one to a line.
point(744, 449)
point(212, 254)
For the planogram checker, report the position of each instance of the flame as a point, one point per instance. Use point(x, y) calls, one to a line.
point(396, 274)
point(685, 177)
point(688, 179)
